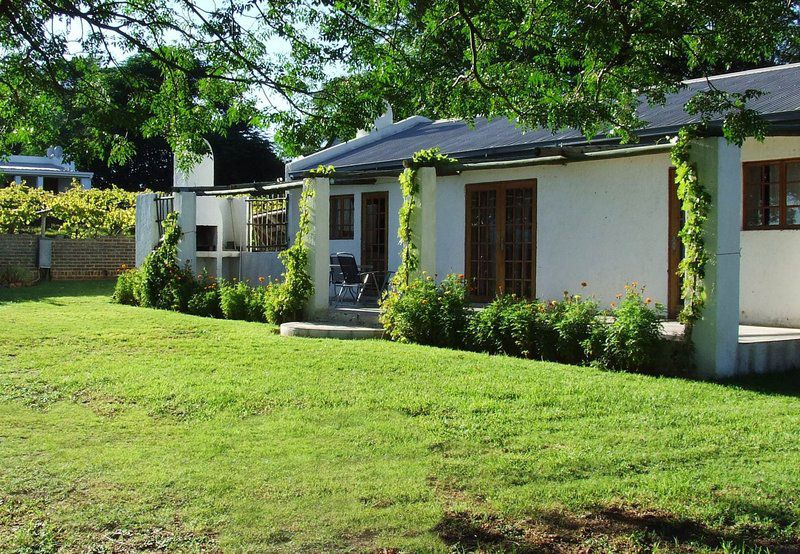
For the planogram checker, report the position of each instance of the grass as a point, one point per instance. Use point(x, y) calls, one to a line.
point(126, 429)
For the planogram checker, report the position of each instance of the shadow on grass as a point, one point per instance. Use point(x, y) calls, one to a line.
point(48, 291)
point(609, 529)
point(782, 384)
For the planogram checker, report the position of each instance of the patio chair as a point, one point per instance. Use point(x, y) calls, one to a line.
point(336, 277)
point(353, 281)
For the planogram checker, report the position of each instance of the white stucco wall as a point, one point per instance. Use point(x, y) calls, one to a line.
point(353, 246)
point(603, 222)
point(770, 265)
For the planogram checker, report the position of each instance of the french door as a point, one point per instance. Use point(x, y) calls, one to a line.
point(374, 233)
point(501, 239)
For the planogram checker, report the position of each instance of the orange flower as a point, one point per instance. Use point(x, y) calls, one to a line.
point(613, 304)
point(619, 296)
point(648, 300)
point(260, 279)
point(584, 284)
point(460, 275)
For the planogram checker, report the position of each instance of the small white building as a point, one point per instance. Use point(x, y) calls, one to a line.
point(539, 213)
point(48, 172)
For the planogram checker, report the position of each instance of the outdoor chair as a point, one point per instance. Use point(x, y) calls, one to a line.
point(348, 278)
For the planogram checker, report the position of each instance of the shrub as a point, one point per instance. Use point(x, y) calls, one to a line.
point(128, 287)
point(572, 327)
point(427, 313)
point(241, 301)
point(160, 269)
point(633, 339)
point(507, 325)
point(13, 275)
point(206, 303)
point(18, 206)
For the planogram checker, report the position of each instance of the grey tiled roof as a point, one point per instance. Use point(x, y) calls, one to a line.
point(499, 138)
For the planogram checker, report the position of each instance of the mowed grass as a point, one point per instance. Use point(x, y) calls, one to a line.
point(128, 429)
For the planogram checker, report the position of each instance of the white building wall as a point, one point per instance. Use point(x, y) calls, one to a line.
point(770, 266)
point(602, 222)
point(390, 185)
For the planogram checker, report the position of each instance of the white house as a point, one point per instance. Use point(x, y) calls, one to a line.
point(539, 213)
point(48, 172)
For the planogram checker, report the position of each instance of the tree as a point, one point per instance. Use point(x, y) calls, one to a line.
point(325, 69)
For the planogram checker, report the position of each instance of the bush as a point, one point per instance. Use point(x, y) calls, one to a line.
point(206, 303)
point(77, 212)
point(426, 313)
point(128, 287)
point(161, 285)
point(572, 327)
point(508, 325)
point(633, 339)
point(18, 206)
point(241, 301)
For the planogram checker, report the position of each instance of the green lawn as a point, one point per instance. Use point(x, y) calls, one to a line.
point(126, 429)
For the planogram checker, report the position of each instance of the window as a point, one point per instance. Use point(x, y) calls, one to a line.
point(342, 210)
point(266, 223)
point(772, 195)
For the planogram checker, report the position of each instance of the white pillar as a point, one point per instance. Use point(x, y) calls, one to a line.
point(716, 334)
point(319, 245)
point(425, 220)
point(18, 179)
point(86, 183)
point(146, 226)
point(186, 206)
point(39, 182)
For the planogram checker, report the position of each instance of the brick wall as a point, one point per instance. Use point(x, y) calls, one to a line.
point(72, 258)
point(91, 258)
point(19, 251)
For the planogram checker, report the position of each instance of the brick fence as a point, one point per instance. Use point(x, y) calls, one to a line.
point(71, 258)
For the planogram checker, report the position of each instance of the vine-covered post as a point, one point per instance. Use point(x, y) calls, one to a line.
point(185, 204)
point(317, 241)
point(716, 333)
point(426, 220)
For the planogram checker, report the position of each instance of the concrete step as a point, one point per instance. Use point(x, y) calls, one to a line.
point(354, 315)
point(329, 331)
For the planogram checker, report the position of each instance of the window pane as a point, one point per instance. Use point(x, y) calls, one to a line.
point(793, 193)
point(772, 195)
point(793, 171)
point(772, 216)
point(792, 216)
point(770, 173)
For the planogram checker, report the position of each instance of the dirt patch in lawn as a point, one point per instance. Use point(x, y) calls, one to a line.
point(614, 529)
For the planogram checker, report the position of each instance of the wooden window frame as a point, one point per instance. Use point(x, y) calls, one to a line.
point(336, 230)
point(782, 225)
point(500, 207)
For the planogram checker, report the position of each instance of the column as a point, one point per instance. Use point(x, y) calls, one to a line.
point(146, 226)
point(319, 245)
point(186, 206)
point(716, 334)
point(39, 182)
point(425, 220)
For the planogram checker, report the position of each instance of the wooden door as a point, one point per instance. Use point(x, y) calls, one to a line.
point(501, 239)
point(374, 233)
point(675, 248)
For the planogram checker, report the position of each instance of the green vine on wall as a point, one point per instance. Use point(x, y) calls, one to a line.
point(695, 203)
point(409, 185)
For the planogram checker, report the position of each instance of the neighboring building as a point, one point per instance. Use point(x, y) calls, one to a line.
point(47, 172)
point(539, 213)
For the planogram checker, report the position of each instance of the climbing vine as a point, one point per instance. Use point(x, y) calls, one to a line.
point(409, 185)
point(287, 299)
point(695, 203)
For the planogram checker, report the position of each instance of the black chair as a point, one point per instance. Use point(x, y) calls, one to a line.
point(352, 280)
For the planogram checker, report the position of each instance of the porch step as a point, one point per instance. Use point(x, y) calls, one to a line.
point(329, 331)
point(354, 315)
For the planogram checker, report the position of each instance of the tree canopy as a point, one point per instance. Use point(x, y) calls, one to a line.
point(319, 70)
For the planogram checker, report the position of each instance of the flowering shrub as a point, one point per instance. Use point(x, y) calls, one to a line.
point(428, 313)
point(205, 300)
point(571, 325)
point(508, 325)
point(633, 341)
point(76, 212)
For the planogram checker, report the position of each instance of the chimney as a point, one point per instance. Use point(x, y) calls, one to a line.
point(384, 121)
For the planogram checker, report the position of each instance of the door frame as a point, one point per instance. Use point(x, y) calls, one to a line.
point(500, 187)
point(365, 196)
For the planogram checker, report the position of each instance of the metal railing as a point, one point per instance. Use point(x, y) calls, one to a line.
point(164, 207)
point(267, 223)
